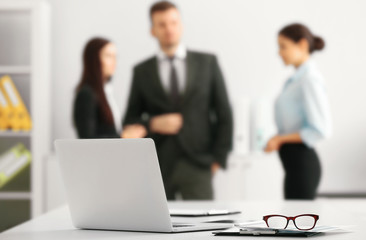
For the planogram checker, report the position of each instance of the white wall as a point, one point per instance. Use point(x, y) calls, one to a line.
point(243, 35)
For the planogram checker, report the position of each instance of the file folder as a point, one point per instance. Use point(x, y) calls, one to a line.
point(18, 116)
point(13, 162)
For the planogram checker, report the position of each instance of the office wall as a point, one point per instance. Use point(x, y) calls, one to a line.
point(243, 35)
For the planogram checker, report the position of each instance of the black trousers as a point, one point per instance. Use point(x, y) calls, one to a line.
point(302, 171)
point(191, 181)
point(181, 175)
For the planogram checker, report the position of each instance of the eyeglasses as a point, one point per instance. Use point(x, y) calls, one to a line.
point(302, 222)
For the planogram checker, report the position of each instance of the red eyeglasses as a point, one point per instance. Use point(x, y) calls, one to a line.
point(302, 222)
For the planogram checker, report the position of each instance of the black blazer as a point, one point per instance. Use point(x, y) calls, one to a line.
point(87, 117)
point(206, 135)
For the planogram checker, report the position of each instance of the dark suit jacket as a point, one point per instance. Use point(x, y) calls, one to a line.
point(87, 117)
point(206, 135)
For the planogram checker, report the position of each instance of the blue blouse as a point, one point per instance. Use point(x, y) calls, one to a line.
point(302, 107)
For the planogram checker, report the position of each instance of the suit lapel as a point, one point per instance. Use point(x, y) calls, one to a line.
point(156, 81)
point(192, 70)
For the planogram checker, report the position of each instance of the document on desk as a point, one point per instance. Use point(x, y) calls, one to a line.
point(264, 232)
point(261, 225)
point(258, 228)
point(201, 213)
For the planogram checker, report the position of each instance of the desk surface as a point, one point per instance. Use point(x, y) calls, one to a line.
point(57, 224)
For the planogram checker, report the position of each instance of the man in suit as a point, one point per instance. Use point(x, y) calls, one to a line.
point(181, 99)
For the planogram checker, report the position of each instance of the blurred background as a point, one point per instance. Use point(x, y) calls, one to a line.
point(41, 45)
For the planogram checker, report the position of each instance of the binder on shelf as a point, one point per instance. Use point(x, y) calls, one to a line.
point(13, 162)
point(5, 111)
point(17, 114)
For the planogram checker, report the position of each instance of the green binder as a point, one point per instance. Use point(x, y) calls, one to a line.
point(12, 162)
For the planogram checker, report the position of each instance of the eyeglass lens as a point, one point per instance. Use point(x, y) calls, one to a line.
point(304, 222)
point(277, 222)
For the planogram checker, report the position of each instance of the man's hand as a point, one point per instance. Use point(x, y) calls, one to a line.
point(214, 168)
point(167, 124)
point(134, 131)
point(274, 144)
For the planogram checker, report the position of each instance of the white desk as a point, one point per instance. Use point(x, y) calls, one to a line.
point(57, 224)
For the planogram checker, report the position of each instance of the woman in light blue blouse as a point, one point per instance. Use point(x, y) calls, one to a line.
point(301, 112)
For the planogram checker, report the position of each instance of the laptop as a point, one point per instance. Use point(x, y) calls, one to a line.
point(116, 184)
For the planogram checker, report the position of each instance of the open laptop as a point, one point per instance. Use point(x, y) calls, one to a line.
point(116, 184)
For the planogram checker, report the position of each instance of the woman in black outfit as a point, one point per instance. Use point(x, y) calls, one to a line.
point(95, 113)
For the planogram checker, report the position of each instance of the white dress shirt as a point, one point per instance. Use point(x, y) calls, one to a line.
point(179, 64)
point(108, 91)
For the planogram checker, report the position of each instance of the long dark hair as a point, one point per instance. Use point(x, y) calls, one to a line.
point(298, 31)
point(92, 75)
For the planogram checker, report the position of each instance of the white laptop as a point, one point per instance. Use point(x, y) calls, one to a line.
point(116, 184)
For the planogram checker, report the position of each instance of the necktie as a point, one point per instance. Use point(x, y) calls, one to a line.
point(174, 87)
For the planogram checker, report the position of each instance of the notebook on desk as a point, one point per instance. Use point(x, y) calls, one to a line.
point(116, 184)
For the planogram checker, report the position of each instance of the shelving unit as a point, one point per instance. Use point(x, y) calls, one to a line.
point(15, 196)
point(12, 134)
point(15, 69)
point(25, 56)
